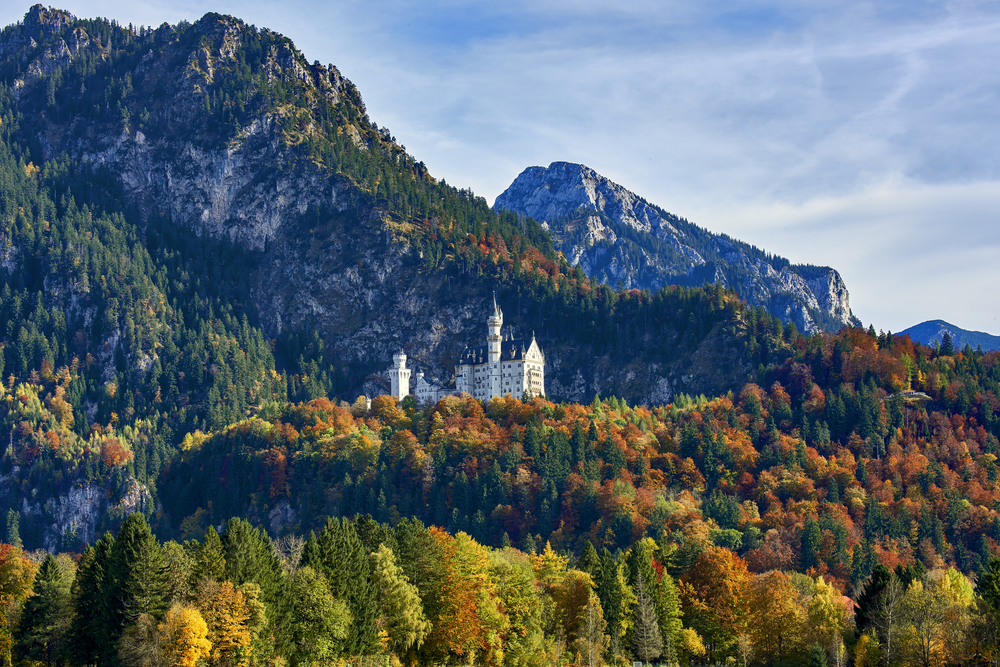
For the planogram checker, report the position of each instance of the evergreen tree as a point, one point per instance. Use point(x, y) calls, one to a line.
point(817, 656)
point(87, 634)
point(647, 642)
point(250, 558)
point(210, 559)
point(13, 519)
point(590, 562)
point(45, 617)
point(344, 563)
point(139, 578)
point(868, 600)
point(947, 346)
point(617, 598)
point(811, 538)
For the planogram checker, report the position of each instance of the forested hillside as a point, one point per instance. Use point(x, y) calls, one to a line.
point(256, 510)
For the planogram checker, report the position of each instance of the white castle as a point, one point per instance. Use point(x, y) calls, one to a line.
point(501, 367)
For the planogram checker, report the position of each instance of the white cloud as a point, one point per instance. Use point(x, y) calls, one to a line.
point(922, 251)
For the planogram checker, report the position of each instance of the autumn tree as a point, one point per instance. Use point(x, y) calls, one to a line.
point(826, 613)
point(184, 636)
point(779, 632)
point(233, 618)
point(714, 596)
point(525, 641)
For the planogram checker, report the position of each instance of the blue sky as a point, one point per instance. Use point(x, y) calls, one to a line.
point(859, 135)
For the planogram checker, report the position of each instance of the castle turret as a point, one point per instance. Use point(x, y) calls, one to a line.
point(494, 324)
point(399, 376)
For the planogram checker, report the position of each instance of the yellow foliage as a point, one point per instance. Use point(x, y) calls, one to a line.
point(867, 652)
point(549, 566)
point(185, 636)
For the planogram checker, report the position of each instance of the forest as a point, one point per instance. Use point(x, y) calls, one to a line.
point(177, 487)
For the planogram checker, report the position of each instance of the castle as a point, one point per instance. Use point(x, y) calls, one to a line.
point(501, 367)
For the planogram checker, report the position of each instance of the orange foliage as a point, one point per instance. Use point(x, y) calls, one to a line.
point(114, 453)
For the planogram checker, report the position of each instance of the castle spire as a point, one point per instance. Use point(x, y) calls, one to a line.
point(496, 308)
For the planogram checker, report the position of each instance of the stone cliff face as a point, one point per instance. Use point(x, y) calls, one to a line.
point(77, 515)
point(616, 236)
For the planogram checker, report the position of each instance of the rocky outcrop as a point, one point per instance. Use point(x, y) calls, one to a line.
point(77, 515)
point(618, 237)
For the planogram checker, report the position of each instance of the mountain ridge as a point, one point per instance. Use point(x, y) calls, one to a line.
point(617, 236)
point(931, 332)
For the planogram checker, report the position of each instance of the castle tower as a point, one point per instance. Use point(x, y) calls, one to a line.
point(399, 376)
point(494, 323)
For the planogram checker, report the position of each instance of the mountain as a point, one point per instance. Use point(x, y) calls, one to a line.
point(197, 225)
point(310, 217)
point(620, 238)
point(932, 331)
point(206, 245)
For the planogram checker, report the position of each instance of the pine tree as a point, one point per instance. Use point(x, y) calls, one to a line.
point(45, 617)
point(136, 583)
point(210, 560)
point(87, 633)
point(344, 563)
point(817, 656)
point(590, 562)
point(617, 598)
point(647, 642)
point(947, 346)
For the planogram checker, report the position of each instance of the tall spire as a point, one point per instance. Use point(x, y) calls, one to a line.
point(496, 308)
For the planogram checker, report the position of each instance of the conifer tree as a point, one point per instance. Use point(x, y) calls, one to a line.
point(39, 635)
point(210, 560)
point(947, 345)
point(647, 642)
point(590, 562)
point(87, 633)
point(342, 559)
point(250, 558)
point(136, 582)
point(617, 598)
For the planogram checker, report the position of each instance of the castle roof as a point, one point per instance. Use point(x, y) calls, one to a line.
point(510, 350)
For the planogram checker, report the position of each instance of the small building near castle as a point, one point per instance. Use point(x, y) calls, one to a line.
point(502, 366)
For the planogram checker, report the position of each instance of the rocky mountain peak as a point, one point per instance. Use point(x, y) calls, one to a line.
point(547, 193)
point(43, 19)
point(620, 238)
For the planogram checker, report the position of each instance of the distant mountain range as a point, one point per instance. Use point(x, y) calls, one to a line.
point(932, 331)
point(621, 239)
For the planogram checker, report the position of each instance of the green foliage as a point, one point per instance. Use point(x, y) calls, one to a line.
point(318, 622)
point(39, 637)
point(401, 611)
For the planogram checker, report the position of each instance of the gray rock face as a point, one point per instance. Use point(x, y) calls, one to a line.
point(616, 236)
